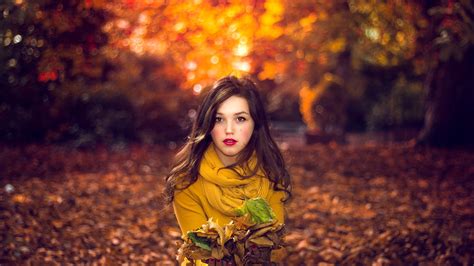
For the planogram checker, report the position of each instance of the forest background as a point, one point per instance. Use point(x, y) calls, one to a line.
point(370, 102)
point(89, 72)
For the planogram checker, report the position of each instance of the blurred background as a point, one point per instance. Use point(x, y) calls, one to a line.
point(104, 72)
point(370, 101)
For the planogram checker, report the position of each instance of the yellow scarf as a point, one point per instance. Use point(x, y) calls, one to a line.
point(225, 189)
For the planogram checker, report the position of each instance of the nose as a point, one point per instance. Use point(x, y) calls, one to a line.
point(229, 128)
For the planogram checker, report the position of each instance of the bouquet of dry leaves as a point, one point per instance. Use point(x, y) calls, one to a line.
point(249, 239)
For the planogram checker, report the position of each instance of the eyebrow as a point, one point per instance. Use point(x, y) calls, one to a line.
point(239, 113)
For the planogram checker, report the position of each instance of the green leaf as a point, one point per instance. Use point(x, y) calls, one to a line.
point(258, 209)
point(201, 242)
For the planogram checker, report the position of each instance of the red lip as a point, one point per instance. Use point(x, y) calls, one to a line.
point(230, 142)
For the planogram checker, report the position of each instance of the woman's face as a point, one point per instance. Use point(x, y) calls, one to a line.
point(233, 129)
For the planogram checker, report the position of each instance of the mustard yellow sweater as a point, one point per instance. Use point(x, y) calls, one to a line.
point(192, 208)
point(218, 192)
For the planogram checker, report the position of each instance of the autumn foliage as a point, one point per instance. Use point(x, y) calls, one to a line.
point(368, 204)
point(148, 52)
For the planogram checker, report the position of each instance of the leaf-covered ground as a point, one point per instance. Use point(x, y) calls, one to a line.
point(379, 204)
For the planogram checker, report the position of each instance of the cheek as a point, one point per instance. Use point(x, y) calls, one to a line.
point(215, 132)
point(247, 131)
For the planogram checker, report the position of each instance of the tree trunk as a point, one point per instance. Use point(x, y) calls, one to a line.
point(449, 117)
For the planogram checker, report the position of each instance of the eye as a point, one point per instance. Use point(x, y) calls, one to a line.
point(241, 119)
point(218, 119)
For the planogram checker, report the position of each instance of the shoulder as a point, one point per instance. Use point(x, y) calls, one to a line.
point(194, 190)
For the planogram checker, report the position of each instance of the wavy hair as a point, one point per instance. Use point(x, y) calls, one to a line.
point(185, 170)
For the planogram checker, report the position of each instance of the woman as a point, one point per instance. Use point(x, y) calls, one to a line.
point(230, 156)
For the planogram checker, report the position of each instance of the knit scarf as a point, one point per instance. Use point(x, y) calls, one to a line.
point(225, 189)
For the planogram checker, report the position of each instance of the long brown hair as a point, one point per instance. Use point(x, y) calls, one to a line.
point(186, 168)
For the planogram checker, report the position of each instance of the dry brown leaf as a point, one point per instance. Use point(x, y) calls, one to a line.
point(262, 241)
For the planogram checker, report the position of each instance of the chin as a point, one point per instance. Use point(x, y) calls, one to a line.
point(231, 153)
